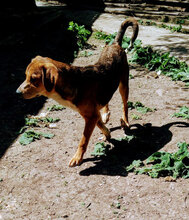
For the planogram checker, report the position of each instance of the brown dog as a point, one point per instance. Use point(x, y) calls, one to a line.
point(84, 89)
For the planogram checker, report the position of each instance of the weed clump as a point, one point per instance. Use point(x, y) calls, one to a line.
point(81, 34)
point(164, 164)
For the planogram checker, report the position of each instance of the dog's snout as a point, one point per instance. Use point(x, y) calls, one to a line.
point(18, 91)
point(21, 88)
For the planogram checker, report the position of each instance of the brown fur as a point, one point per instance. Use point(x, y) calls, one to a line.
point(85, 89)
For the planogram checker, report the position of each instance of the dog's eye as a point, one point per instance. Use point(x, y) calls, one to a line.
point(34, 81)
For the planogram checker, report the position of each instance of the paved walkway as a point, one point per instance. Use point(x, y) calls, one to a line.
point(159, 38)
point(164, 40)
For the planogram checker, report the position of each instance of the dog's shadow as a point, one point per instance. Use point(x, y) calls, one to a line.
point(147, 140)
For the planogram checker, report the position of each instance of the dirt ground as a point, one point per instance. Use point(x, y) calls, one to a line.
point(36, 182)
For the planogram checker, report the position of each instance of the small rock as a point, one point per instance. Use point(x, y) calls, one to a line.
point(159, 92)
point(52, 125)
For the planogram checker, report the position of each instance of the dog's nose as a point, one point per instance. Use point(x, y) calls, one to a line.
point(18, 91)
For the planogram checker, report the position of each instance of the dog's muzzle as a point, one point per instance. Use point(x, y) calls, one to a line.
point(18, 91)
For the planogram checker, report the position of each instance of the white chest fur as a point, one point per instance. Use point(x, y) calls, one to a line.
point(63, 102)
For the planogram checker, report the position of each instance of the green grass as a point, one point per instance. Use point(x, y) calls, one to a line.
point(164, 164)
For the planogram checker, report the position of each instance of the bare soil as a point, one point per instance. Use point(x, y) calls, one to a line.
point(36, 182)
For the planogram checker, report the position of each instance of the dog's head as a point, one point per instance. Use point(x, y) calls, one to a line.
point(41, 78)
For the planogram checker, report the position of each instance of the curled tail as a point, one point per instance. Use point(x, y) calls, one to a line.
point(128, 22)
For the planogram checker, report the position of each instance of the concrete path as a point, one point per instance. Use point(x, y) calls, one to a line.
point(161, 39)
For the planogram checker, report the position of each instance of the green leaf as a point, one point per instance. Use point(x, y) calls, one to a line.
point(178, 165)
point(154, 174)
point(135, 164)
point(139, 107)
point(125, 45)
point(24, 139)
point(130, 105)
point(56, 108)
point(164, 163)
point(99, 149)
point(47, 135)
point(127, 138)
point(183, 113)
point(31, 121)
point(80, 32)
point(153, 60)
point(185, 176)
point(29, 136)
point(50, 120)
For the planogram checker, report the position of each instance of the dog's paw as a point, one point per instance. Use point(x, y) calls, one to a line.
point(107, 137)
point(124, 125)
point(75, 161)
point(105, 117)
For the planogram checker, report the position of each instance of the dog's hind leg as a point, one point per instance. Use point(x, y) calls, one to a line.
point(105, 114)
point(104, 129)
point(124, 91)
point(89, 127)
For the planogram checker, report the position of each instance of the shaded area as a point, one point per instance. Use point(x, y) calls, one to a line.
point(26, 33)
point(147, 140)
point(82, 4)
point(19, 4)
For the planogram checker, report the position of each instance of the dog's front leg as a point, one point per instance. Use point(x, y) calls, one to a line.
point(89, 127)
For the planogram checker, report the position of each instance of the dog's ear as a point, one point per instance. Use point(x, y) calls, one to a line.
point(49, 76)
